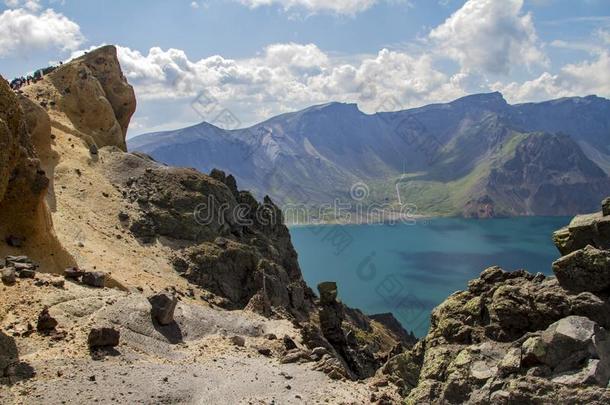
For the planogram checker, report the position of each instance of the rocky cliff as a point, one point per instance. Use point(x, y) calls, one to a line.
point(514, 338)
point(119, 270)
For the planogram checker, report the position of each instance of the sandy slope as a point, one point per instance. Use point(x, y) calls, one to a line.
point(192, 361)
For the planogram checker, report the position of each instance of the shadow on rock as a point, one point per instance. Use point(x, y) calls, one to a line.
point(11, 369)
point(101, 353)
point(171, 332)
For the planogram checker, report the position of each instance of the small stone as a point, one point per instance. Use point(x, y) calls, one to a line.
point(93, 149)
point(295, 356)
point(9, 276)
point(264, 351)
point(27, 273)
point(163, 307)
point(95, 279)
point(58, 283)
point(220, 241)
point(24, 266)
point(46, 323)
point(270, 336)
point(289, 343)
point(238, 341)
point(103, 337)
point(18, 259)
point(123, 216)
point(318, 352)
point(73, 273)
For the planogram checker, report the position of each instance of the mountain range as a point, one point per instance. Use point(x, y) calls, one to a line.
point(477, 156)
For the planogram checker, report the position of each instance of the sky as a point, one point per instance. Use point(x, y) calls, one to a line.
point(234, 63)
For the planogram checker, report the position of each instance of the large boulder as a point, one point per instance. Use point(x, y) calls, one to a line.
point(576, 350)
point(586, 269)
point(584, 230)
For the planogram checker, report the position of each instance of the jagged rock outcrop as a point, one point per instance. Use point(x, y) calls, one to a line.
point(228, 243)
point(22, 181)
point(25, 221)
point(358, 355)
point(95, 96)
point(515, 337)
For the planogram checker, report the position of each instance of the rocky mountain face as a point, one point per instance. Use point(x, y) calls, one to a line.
point(518, 337)
point(119, 271)
point(460, 158)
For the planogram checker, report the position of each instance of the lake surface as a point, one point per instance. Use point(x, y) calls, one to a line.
point(410, 269)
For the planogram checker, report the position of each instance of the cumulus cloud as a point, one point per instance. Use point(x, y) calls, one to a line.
point(290, 76)
point(349, 7)
point(33, 5)
point(25, 29)
point(584, 78)
point(489, 36)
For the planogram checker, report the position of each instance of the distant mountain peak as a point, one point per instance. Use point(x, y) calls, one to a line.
point(492, 101)
point(335, 106)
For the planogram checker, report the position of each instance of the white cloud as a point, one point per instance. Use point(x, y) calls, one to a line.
point(489, 36)
point(194, 4)
point(290, 76)
point(25, 30)
point(584, 78)
point(32, 5)
point(349, 7)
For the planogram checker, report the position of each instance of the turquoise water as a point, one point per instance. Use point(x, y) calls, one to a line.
point(409, 269)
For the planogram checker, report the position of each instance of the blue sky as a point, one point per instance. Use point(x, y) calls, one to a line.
point(258, 58)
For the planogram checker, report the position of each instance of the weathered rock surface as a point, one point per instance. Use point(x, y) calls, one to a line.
point(46, 323)
point(584, 230)
point(357, 355)
point(95, 279)
point(227, 242)
point(9, 276)
point(163, 307)
point(100, 102)
point(100, 337)
point(586, 269)
point(22, 181)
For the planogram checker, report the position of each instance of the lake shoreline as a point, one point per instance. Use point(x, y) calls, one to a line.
point(417, 218)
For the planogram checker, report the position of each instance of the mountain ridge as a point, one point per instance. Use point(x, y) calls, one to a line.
point(314, 156)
